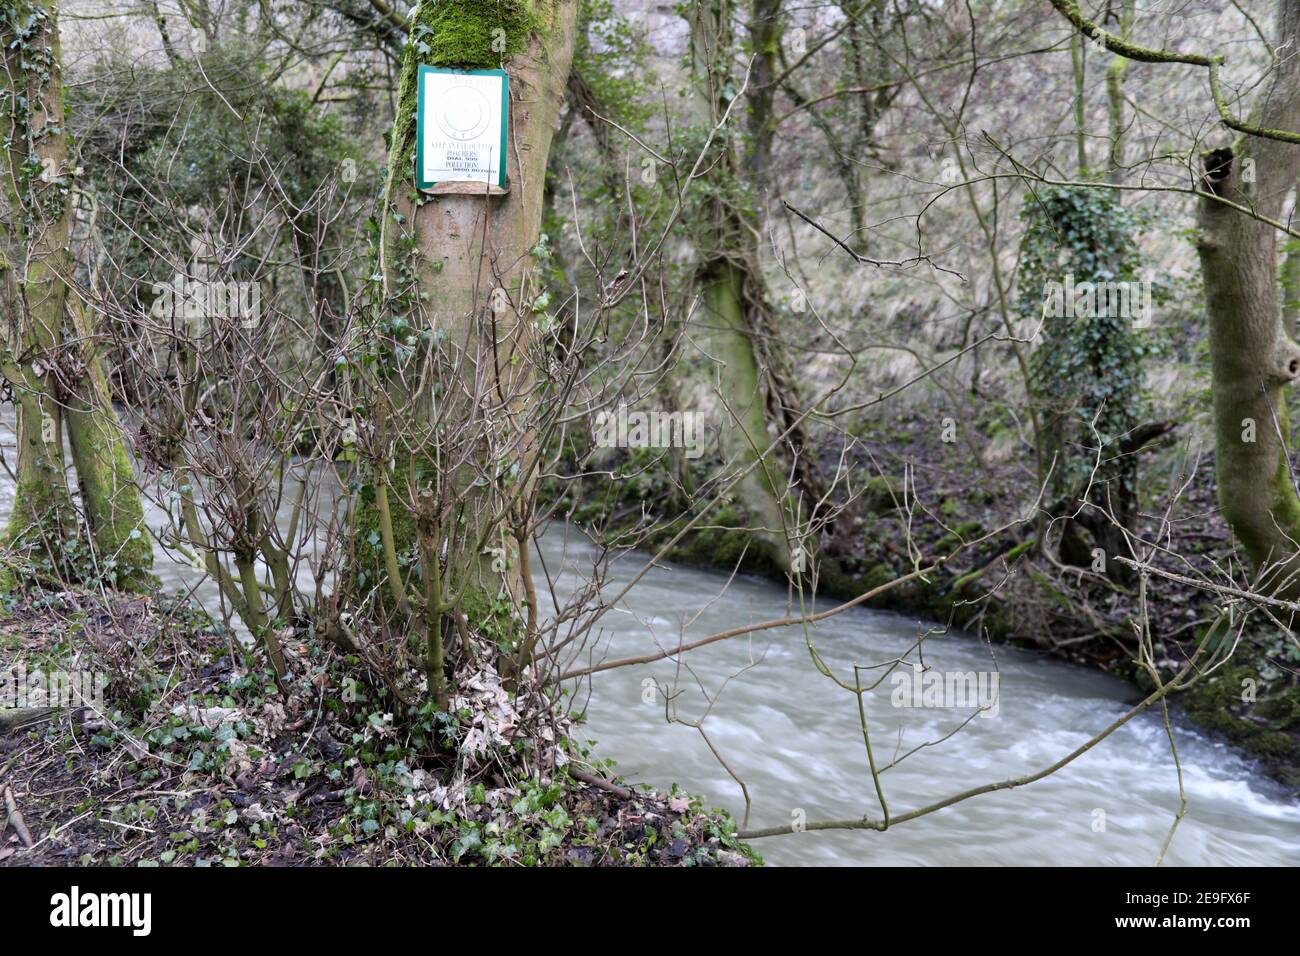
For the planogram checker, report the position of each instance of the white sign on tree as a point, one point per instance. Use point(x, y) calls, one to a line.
point(461, 122)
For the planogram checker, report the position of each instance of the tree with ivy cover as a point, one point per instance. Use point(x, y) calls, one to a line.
point(1087, 368)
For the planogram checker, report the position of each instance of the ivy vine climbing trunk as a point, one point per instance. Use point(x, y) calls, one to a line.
point(1078, 248)
point(49, 361)
point(1253, 358)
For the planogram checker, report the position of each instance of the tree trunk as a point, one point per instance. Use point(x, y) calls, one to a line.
point(1115, 72)
point(55, 386)
point(749, 381)
point(1253, 356)
point(105, 476)
point(42, 515)
point(452, 503)
point(763, 493)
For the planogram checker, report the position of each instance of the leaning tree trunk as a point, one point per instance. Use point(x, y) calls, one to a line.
point(110, 496)
point(763, 492)
point(1253, 356)
point(55, 385)
point(42, 515)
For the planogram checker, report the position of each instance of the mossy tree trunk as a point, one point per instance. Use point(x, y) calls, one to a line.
point(1253, 357)
point(448, 521)
point(1115, 72)
point(752, 382)
point(56, 384)
point(42, 516)
point(763, 493)
point(105, 476)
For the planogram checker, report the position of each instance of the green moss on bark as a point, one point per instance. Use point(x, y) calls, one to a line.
point(473, 34)
point(493, 618)
point(42, 518)
point(455, 34)
point(110, 499)
point(744, 419)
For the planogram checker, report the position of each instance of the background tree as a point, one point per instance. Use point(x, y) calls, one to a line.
point(1088, 367)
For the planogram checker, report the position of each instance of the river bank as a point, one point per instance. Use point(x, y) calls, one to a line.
point(789, 740)
point(194, 757)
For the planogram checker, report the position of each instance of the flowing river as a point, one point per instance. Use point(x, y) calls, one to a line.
point(795, 739)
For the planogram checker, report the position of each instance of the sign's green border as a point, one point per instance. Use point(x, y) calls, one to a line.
point(419, 118)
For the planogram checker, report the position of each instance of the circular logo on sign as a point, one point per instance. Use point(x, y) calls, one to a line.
point(464, 114)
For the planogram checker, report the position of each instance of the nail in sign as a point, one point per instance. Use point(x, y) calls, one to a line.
point(461, 122)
